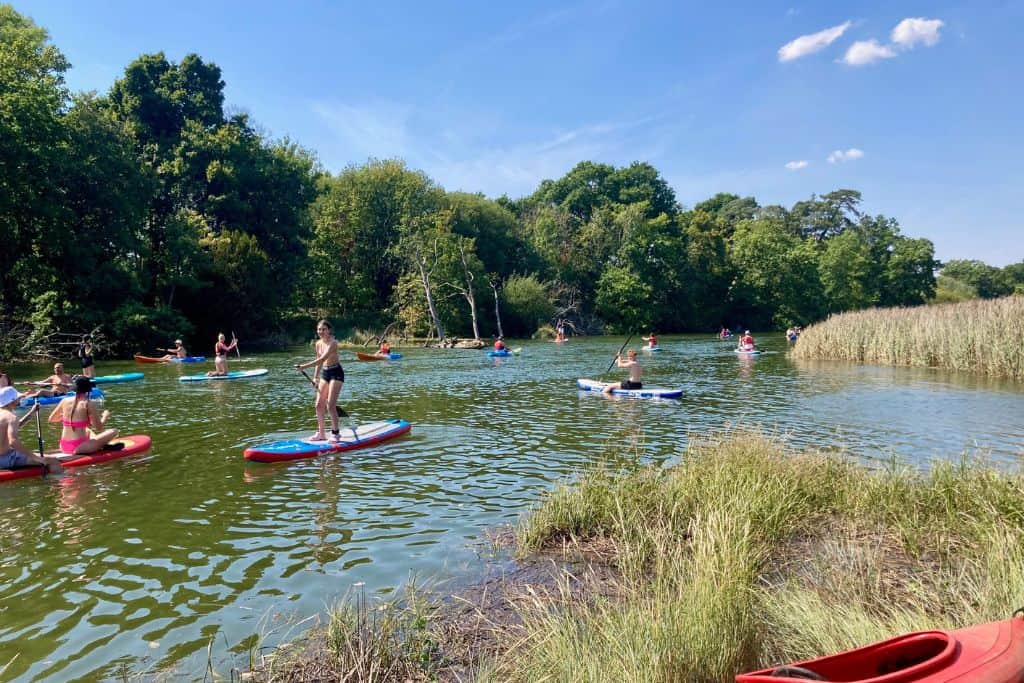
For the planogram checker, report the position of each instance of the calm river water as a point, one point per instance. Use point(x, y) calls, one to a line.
point(138, 565)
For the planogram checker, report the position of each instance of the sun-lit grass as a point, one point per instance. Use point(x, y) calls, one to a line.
point(744, 554)
point(985, 336)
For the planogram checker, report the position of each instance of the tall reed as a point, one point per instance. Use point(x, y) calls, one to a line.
point(985, 336)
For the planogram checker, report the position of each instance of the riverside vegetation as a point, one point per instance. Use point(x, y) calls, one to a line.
point(744, 554)
point(983, 336)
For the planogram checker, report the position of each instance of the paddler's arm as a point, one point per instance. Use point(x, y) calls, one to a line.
point(28, 416)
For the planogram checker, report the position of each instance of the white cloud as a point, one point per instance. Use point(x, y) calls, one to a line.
point(797, 165)
point(811, 43)
point(867, 52)
point(912, 31)
point(840, 156)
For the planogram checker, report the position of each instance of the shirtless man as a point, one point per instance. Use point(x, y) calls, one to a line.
point(177, 352)
point(59, 382)
point(634, 373)
point(13, 452)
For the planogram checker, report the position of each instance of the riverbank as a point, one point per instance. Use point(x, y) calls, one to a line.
point(742, 555)
point(982, 335)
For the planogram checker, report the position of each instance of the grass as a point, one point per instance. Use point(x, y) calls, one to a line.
point(745, 554)
point(982, 335)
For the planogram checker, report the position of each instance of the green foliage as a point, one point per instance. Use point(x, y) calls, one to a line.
point(988, 281)
point(950, 290)
point(622, 300)
point(526, 305)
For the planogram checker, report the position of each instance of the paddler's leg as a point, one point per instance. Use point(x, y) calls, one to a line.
point(334, 390)
point(321, 407)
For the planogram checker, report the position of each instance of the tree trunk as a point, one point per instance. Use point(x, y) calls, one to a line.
point(425, 279)
point(470, 297)
point(497, 309)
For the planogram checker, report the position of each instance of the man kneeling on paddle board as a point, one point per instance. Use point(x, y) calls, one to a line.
point(634, 373)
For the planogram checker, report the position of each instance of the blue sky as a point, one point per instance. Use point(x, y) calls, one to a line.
point(918, 104)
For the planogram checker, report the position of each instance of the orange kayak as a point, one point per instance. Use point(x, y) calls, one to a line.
point(989, 653)
point(377, 356)
point(139, 358)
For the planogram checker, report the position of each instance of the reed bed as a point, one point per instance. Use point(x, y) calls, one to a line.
point(983, 335)
point(743, 555)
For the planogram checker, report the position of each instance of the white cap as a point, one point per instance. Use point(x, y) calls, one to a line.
point(8, 395)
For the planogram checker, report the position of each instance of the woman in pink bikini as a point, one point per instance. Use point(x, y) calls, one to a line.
point(78, 413)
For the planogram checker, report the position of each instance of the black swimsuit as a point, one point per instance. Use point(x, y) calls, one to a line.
point(86, 358)
point(335, 372)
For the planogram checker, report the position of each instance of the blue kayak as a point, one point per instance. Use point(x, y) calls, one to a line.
point(95, 394)
point(651, 348)
point(189, 359)
point(126, 377)
point(499, 354)
point(234, 374)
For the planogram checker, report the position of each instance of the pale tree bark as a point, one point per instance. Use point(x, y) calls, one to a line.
point(421, 263)
point(497, 308)
point(467, 291)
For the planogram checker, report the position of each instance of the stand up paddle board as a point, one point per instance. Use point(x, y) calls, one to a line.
point(126, 377)
point(646, 392)
point(234, 374)
point(136, 443)
point(365, 435)
point(755, 352)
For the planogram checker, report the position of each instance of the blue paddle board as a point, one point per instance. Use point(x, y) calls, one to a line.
point(646, 392)
point(126, 377)
point(234, 374)
point(297, 449)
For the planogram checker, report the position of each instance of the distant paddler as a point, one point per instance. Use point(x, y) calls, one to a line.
point(57, 384)
point(652, 341)
point(747, 342)
point(178, 351)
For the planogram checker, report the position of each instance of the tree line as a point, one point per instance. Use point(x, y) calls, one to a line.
point(151, 212)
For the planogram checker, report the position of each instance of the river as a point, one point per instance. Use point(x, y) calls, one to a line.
point(159, 561)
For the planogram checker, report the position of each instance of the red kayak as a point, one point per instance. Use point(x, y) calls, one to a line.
point(989, 653)
point(136, 443)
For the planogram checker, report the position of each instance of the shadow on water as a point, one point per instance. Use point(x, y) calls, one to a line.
point(138, 563)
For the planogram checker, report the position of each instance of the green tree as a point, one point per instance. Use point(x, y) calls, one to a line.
point(526, 305)
point(988, 281)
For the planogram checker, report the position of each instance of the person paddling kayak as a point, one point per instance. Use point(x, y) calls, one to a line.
point(634, 373)
point(747, 342)
point(499, 344)
point(652, 341)
point(329, 378)
point(178, 351)
point(59, 383)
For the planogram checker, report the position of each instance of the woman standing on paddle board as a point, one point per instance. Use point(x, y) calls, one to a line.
point(329, 377)
point(634, 373)
point(77, 413)
point(85, 356)
point(220, 355)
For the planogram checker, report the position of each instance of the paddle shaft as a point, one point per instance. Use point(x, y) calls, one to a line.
point(628, 339)
point(235, 339)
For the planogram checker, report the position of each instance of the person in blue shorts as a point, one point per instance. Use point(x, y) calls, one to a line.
point(13, 452)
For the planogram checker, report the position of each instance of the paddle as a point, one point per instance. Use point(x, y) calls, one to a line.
point(610, 365)
point(39, 435)
point(235, 339)
point(341, 411)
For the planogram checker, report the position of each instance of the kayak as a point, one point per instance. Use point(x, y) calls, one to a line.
point(95, 395)
point(993, 653)
point(136, 443)
point(652, 349)
point(646, 392)
point(139, 358)
point(753, 352)
point(126, 377)
point(365, 435)
point(234, 374)
point(378, 356)
point(499, 354)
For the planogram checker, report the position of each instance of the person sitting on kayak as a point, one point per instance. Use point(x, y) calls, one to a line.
point(12, 451)
point(59, 383)
point(747, 342)
point(177, 352)
point(634, 373)
point(77, 414)
point(84, 354)
point(329, 378)
point(499, 344)
point(652, 341)
point(724, 333)
point(560, 332)
point(384, 349)
point(220, 355)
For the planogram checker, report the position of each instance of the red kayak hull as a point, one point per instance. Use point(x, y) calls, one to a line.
point(139, 358)
point(134, 444)
point(370, 356)
point(989, 653)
